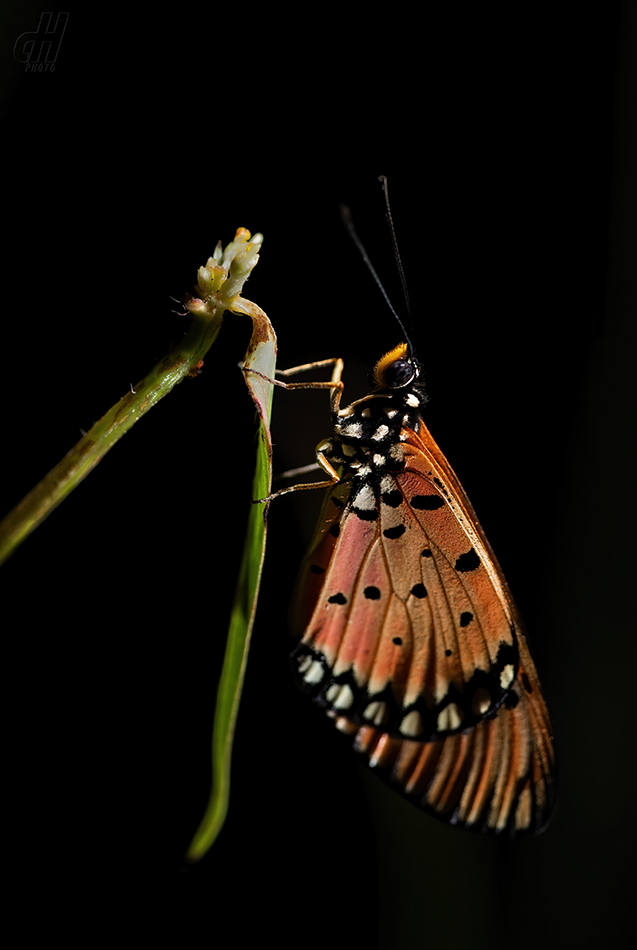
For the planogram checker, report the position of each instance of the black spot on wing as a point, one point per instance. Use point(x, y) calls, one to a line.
point(465, 618)
point(366, 514)
point(335, 530)
point(337, 599)
point(419, 590)
point(427, 553)
point(467, 561)
point(398, 641)
point(372, 593)
point(427, 502)
point(317, 569)
point(395, 532)
point(392, 498)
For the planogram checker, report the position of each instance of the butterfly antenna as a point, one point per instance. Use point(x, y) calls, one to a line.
point(346, 216)
point(390, 221)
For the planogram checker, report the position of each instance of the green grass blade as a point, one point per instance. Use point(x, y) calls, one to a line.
point(261, 356)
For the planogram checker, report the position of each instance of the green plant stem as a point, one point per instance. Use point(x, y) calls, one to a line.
point(101, 437)
point(219, 284)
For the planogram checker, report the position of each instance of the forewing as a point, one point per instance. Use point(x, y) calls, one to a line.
point(464, 651)
point(412, 629)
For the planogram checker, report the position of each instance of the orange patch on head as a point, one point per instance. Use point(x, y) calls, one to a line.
point(400, 352)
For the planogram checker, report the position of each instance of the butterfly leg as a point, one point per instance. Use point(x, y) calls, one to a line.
point(293, 472)
point(334, 361)
point(321, 462)
point(335, 384)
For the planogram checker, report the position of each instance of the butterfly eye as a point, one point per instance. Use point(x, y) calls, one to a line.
point(395, 369)
point(399, 374)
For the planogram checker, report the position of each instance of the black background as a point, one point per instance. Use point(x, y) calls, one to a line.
point(508, 140)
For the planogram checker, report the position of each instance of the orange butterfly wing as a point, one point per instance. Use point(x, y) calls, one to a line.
point(497, 775)
point(414, 636)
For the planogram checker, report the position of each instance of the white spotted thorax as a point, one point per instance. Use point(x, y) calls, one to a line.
point(367, 437)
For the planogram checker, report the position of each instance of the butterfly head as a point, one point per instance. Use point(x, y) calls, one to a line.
point(396, 369)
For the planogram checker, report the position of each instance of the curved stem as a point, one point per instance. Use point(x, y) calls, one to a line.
point(103, 435)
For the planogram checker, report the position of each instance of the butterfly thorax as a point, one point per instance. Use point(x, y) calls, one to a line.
point(368, 435)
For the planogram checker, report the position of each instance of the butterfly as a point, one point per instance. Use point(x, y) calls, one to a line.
point(409, 637)
point(411, 640)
